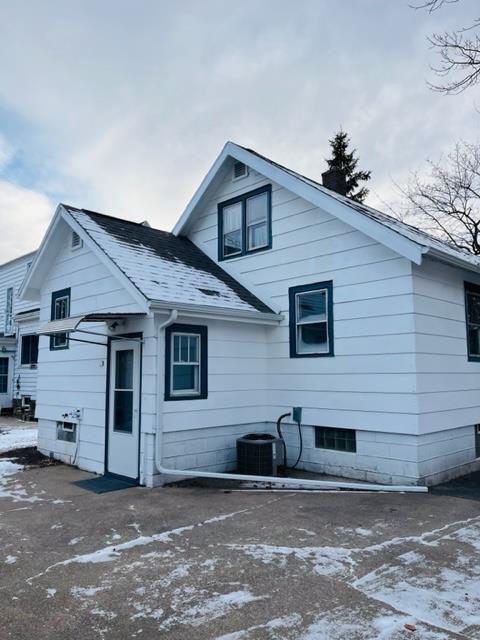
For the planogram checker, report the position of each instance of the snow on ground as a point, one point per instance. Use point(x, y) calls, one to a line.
point(17, 438)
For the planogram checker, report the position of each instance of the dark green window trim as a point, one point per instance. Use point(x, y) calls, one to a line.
point(471, 327)
point(336, 439)
point(292, 293)
point(56, 295)
point(477, 440)
point(4, 373)
point(243, 200)
point(192, 329)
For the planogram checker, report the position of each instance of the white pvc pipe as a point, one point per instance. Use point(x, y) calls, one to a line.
point(290, 482)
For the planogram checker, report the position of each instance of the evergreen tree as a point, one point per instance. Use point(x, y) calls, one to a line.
point(347, 162)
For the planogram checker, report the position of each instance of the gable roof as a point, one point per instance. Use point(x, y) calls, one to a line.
point(164, 268)
point(399, 236)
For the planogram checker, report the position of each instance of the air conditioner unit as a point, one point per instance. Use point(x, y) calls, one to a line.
point(259, 454)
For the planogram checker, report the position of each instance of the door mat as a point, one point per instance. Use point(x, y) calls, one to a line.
point(104, 484)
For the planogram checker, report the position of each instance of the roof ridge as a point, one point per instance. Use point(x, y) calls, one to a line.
point(367, 209)
point(112, 217)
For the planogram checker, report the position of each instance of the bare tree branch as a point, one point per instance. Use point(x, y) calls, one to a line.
point(432, 5)
point(458, 51)
point(447, 202)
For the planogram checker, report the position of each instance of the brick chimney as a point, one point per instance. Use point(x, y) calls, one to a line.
point(334, 179)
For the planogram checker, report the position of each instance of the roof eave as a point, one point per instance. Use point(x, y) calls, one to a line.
point(448, 258)
point(205, 311)
point(374, 229)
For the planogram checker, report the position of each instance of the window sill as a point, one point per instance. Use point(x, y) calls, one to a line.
point(199, 396)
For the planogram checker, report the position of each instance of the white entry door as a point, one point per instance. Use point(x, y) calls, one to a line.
point(124, 409)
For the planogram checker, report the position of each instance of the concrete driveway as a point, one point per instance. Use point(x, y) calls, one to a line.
point(192, 563)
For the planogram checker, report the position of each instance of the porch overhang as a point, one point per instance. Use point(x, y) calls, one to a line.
point(69, 325)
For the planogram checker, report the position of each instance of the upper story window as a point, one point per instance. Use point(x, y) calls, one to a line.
point(245, 223)
point(60, 309)
point(472, 314)
point(29, 354)
point(311, 320)
point(185, 362)
point(9, 311)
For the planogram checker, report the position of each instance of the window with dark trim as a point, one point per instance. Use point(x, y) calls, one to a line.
point(311, 320)
point(186, 361)
point(3, 375)
point(9, 311)
point(245, 224)
point(29, 353)
point(337, 439)
point(472, 318)
point(60, 309)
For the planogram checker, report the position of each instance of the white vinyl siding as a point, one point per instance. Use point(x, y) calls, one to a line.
point(369, 383)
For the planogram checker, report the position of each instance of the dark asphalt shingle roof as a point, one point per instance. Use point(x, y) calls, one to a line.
point(165, 267)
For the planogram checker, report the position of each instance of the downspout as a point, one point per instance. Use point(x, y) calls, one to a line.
point(188, 473)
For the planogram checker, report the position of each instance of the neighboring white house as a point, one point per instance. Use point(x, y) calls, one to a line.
point(272, 292)
point(18, 337)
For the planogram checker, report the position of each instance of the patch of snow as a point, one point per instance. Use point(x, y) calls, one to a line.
point(11, 559)
point(363, 532)
point(208, 608)
point(285, 622)
point(74, 541)
point(18, 438)
point(326, 561)
point(51, 593)
point(307, 532)
point(108, 615)
point(87, 592)
point(9, 488)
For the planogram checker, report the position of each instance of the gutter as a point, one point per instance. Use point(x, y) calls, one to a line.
point(272, 480)
point(206, 311)
point(447, 258)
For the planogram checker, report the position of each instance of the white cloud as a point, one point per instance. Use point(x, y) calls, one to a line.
point(129, 103)
point(24, 216)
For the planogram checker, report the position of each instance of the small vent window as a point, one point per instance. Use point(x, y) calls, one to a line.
point(76, 240)
point(240, 170)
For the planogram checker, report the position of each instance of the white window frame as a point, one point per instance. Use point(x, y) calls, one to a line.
point(57, 340)
point(197, 363)
point(299, 323)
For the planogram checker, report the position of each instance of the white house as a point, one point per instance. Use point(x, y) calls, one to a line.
point(18, 337)
point(272, 292)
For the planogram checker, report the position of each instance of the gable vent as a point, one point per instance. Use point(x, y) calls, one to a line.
point(76, 240)
point(240, 170)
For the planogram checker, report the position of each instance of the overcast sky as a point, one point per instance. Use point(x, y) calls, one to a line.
point(121, 106)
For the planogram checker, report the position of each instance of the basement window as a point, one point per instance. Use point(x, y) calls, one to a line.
point(185, 362)
point(245, 224)
point(336, 439)
point(67, 431)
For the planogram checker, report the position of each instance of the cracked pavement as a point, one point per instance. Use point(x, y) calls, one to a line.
point(202, 563)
